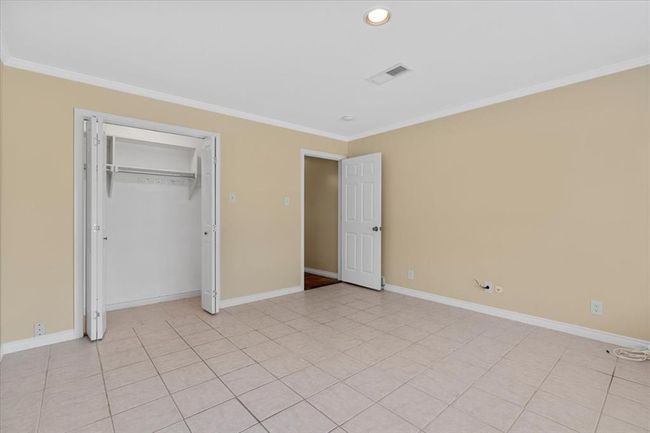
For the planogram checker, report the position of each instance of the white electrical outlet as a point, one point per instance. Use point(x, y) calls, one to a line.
point(39, 329)
point(597, 307)
point(410, 274)
point(232, 197)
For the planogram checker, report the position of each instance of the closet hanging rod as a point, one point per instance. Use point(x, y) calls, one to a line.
point(151, 171)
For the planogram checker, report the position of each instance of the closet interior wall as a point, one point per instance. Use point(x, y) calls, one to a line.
point(153, 224)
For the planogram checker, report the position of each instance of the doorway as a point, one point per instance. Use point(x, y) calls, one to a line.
point(321, 222)
point(357, 187)
point(146, 216)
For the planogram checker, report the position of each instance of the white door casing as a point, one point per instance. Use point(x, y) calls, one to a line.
point(95, 188)
point(361, 220)
point(209, 293)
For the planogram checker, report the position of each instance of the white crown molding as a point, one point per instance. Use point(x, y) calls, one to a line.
point(231, 302)
point(40, 68)
point(568, 328)
point(322, 273)
point(14, 62)
point(155, 300)
point(43, 340)
point(538, 88)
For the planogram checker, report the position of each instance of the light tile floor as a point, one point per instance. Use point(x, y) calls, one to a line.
point(334, 359)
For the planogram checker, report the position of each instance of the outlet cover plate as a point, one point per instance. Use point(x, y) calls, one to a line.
point(39, 329)
point(597, 307)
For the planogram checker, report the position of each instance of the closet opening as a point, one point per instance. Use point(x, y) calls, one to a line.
point(146, 216)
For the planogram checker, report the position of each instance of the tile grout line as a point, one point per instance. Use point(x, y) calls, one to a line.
point(169, 394)
point(297, 306)
point(411, 343)
point(235, 396)
point(483, 375)
point(572, 401)
point(471, 385)
point(275, 377)
point(602, 406)
point(428, 366)
point(256, 362)
point(537, 389)
point(302, 399)
point(47, 371)
point(579, 404)
point(108, 402)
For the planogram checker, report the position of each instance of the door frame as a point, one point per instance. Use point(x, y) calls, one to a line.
point(79, 247)
point(322, 155)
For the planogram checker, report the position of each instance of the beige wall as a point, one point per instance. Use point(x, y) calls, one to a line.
point(321, 214)
point(261, 163)
point(546, 195)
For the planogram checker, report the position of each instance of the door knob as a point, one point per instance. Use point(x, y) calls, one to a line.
point(375, 229)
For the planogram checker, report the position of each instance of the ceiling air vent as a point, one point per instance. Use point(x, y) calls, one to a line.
point(388, 74)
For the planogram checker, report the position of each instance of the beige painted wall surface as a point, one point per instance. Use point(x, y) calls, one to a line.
point(261, 163)
point(546, 195)
point(321, 214)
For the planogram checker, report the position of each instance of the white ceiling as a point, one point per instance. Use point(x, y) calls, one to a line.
point(304, 64)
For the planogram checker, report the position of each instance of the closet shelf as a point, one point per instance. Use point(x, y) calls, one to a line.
point(152, 171)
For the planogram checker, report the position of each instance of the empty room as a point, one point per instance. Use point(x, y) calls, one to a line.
point(324, 216)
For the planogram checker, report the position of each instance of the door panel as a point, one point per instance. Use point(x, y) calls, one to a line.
point(95, 191)
point(361, 220)
point(209, 294)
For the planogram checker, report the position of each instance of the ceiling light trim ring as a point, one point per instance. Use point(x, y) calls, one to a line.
point(377, 16)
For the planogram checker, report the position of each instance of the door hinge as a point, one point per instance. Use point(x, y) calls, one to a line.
point(96, 314)
point(96, 227)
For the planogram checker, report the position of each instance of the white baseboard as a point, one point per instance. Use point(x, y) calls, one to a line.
point(70, 334)
point(43, 340)
point(231, 302)
point(581, 331)
point(157, 299)
point(322, 273)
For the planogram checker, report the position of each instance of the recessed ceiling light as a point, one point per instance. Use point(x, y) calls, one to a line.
point(347, 118)
point(377, 16)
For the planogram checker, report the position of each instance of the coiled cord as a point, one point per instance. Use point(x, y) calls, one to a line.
point(632, 354)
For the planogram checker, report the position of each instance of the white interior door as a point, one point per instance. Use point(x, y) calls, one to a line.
point(361, 220)
point(209, 280)
point(95, 192)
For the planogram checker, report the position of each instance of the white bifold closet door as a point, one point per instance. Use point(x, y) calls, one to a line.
point(95, 191)
point(361, 220)
point(209, 259)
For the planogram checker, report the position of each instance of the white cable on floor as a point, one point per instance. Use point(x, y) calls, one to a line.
point(632, 354)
